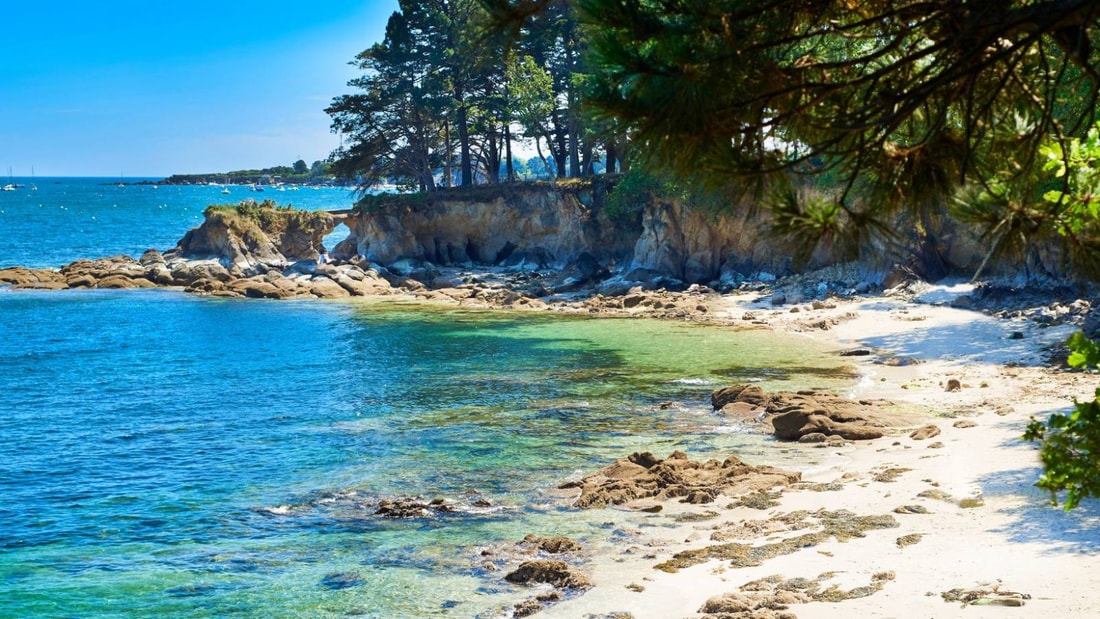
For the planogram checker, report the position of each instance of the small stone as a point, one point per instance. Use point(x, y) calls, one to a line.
point(925, 432)
point(911, 509)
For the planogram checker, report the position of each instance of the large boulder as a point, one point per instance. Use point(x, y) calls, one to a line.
point(794, 415)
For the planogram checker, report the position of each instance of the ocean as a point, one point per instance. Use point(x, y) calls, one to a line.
point(170, 455)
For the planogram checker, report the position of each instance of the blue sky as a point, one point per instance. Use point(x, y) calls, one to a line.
point(157, 88)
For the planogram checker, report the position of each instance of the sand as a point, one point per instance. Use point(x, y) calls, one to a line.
point(986, 530)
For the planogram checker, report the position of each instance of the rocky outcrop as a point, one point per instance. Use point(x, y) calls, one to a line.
point(657, 243)
point(696, 246)
point(249, 238)
point(533, 227)
point(524, 227)
point(793, 416)
point(249, 250)
point(644, 476)
point(549, 571)
point(206, 277)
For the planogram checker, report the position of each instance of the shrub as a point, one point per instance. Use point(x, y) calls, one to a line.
point(1071, 442)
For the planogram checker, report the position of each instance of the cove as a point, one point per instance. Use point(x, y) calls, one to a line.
point(177, 456)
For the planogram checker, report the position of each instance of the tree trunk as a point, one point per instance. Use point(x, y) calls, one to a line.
point(464, 143)
point(447, 173)
point(611, 154)
point(574, 137)
point(508, 153)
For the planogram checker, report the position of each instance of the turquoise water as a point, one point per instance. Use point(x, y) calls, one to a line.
point(67, 219)
point(170, 455)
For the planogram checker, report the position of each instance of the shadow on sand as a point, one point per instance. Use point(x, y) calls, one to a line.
point(1035, 520)
point(970, 337)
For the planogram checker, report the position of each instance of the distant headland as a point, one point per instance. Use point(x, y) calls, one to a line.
point(298, 173)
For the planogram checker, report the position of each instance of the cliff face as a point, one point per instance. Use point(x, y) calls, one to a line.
point(246, 238)
point(544, 226)
point(558, 226)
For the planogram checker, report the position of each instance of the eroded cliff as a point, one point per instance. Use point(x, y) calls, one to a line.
point(656, 242)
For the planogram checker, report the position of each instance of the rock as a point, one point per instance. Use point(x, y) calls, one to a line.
point(341, 580)
point(121, 281)
point(245, 237)
point(186, 272)
point(644, 476)
point(206, 286)
point(527, 608)
point(744, 412)
point(794, 415)
point(324, 288)
point(257, 289)
point(964, 423)
point(749, 394)
point(151, 257)
point(954, 385)
point(552, 545)
point(412, 508)
point(550, 571)
point(160, 274)
point(20, 277)
point(813, 437)
point(925, 432)
point(794, 424)
point(856, 352)
point(81, 281)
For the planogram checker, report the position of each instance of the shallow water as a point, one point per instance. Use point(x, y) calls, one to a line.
point(176, 456)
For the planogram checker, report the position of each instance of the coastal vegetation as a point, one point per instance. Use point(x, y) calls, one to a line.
point(257, 221)
point(298, 173)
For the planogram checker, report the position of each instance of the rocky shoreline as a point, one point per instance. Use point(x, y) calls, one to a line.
point(727, 534)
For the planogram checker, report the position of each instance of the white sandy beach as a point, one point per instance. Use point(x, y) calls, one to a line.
point(1006, 538)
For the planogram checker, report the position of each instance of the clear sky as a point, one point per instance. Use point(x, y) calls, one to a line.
point(155, 88)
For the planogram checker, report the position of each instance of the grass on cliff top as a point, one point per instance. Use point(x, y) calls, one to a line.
point(599, 186)
point(267, 216)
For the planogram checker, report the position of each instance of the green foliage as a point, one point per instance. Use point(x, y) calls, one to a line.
point(1071, 443)
point(1085, 353)
point(807, 219)
point(257, 219)
point(639, 187)
point(631, 194)
point(298, 174)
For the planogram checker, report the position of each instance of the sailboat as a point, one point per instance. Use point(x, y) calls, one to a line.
point(11, 184)
point(33, 186)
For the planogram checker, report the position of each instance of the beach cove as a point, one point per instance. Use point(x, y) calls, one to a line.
point(386, 392)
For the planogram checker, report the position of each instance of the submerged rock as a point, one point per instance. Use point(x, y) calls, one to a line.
point(412, 508)
point(342, 580)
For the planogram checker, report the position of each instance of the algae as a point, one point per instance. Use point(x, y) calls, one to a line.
point(842, 525)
